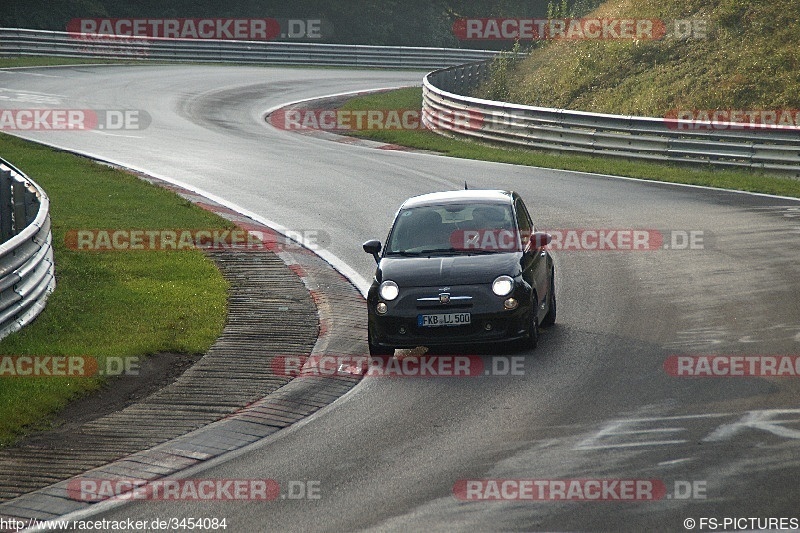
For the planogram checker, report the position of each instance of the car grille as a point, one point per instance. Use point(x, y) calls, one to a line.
point(434, 302)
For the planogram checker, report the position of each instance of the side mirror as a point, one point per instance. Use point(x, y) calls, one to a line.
point(373, 247)
point(538, 241)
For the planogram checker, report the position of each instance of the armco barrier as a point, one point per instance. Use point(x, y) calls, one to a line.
point(27, 275)
point(447, 110)
point(21, 42)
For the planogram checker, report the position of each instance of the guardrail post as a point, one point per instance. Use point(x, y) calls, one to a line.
point(18, 197)
point(6, 227)
point(31, 205)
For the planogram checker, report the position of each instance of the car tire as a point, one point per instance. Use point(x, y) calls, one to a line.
point(532, 339)
point(533, 332)
point(550, 318)
point(378, 350)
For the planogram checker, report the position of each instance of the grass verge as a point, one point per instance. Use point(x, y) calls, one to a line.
point(741, 56)
point(107, 303)
point(411, 98)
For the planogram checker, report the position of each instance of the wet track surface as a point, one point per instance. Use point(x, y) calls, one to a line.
point(594, 402)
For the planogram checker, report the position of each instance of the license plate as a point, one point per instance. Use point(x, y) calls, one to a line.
point(445, 319)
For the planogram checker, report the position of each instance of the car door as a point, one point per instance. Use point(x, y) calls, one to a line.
point(534, 268)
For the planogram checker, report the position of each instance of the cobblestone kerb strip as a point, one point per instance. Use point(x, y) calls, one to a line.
point(283, 303)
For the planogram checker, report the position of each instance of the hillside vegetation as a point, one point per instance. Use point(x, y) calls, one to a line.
point(749, 59)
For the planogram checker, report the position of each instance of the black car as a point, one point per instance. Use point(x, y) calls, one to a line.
point(460, 268)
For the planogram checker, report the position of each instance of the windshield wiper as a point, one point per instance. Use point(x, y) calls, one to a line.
point(445, 251)
point(478, 251)
point(431, 251)
point(403, 253)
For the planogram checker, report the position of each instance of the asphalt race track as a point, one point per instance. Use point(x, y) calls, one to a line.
point(595, 401)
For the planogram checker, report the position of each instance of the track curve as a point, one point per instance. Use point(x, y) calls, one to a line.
point(594, 402)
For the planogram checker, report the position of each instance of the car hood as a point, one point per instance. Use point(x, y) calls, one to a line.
point(448, 270)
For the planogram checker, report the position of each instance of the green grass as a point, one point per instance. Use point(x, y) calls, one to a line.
point(747, 60)
point(411, 98)
point(108, 303)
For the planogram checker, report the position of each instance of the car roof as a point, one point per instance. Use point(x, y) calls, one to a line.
point(454, 197)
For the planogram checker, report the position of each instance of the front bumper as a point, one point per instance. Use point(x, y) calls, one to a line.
point(490, 321)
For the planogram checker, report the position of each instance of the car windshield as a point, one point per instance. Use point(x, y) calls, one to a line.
point(454, 229)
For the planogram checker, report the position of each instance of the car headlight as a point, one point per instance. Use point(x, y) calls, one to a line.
point(388, 290)
point(503, 285)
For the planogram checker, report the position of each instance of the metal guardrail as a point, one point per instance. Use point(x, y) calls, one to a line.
point(447, 110)
point(27, 274)
point(21, 42)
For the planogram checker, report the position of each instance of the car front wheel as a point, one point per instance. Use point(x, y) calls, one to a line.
point(533, 331)
point(550, 318)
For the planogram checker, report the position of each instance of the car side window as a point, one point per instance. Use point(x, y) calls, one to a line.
point(523, 223)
